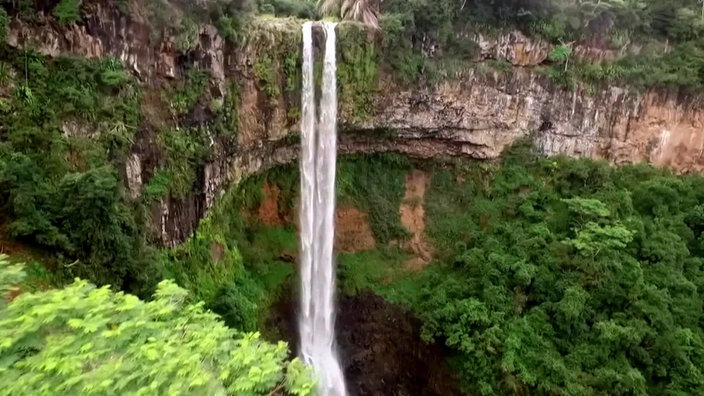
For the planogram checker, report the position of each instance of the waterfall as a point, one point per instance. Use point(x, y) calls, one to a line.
point(317, 222)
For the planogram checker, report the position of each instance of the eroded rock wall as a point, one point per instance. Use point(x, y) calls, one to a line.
point(478, 115)
point(474, 114)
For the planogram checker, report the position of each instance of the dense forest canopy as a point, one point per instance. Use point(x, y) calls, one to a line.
point(552, 276)
point(568, 277)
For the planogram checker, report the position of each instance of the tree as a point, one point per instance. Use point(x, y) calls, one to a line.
point(565, 277)
point(92, 341)
point(364, 11)
point(561, 54)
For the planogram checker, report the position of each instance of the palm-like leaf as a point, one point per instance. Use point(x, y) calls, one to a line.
point(360, 10)
point(329, 7)
point(363, 11)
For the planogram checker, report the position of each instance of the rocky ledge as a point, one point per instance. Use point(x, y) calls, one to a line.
point(476, 113)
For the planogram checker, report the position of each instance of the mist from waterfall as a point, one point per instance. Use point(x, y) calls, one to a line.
point(317, 223)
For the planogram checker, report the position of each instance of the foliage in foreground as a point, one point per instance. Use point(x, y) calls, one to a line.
point(92, 341)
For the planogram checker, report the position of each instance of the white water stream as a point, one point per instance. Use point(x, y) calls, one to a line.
point(317, 223)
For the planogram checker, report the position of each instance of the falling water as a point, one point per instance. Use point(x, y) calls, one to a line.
point(318, 160)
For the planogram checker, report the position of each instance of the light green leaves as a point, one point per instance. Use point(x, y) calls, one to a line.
point(92, 341)
point(594, 231)
point(10, 277)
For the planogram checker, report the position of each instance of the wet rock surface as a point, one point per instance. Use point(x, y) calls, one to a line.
point(380, 348)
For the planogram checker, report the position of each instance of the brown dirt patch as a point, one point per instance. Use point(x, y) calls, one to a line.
point(352, 230)
point(217, 250)
point(10, 247)
point(413, 218)
point(268, 211)
point(154, 109)
point(14, 248)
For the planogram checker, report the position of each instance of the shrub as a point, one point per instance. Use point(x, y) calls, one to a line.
point(4, 23)
point(68, 11)
point(87, 340)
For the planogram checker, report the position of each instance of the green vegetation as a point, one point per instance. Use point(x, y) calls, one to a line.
point(360, 182)
point(92, 341)
point(227, 15)
point(419, 45)
point(68, 11)
point(422, 41)
point(266, 73)
point(187, 37)
point(412, 31)
point(226, 123)
point(234, 264)
point(187, 92)
point(356, 71)
point(185, 151)
point(557, 276)
point(4, 22)
point(304, 9)
point(371, 270)
point(67, 126)
point(679, 68)
point(239, 267)
point(277, 68)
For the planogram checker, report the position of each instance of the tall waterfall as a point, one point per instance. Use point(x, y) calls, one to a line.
point(318, 160)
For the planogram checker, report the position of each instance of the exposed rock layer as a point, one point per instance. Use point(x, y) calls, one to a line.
point(380, 346)
point(474, 115)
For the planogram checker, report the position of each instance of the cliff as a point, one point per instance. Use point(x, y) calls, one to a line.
point(475, 111)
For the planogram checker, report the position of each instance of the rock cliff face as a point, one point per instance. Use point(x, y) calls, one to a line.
point(479, 115)
point(475, 114)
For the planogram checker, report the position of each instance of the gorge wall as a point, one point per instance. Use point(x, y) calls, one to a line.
point(474, 112)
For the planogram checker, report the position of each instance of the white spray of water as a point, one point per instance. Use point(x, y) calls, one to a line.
point(318, 161)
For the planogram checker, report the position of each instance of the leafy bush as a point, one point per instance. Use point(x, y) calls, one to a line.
point(267, 9)
point(297, 8)
point(187, 37)
point(378, 193)
point(265, 71)
point(93, 341)
point(563, 276)
point(237, 304)
point(185, 153)
point(72, 119)
point(68, 11)
point(158, 186)
point(229, 28)
point(99, 228)
point(187, 92)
